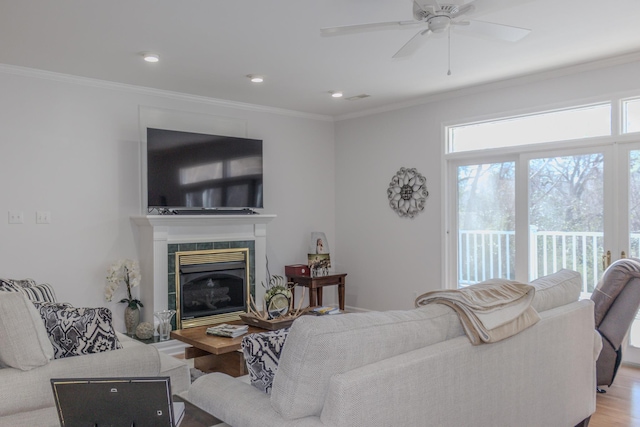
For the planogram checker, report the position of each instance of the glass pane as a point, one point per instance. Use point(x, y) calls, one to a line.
point(631, 114)
point(634, 204)
point(486, 222)
point(566, 223)
point(563, 125)
point(634, 226)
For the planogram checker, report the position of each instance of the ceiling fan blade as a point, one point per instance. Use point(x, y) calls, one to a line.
point(414, 44)
point(462, 10)
point(495, 31)
point(487, 6)
point(359, 28)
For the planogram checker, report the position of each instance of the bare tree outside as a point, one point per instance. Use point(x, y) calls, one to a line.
point(565, 217)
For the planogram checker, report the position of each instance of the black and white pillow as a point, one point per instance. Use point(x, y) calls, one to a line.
point(24, 283)
point(78, 331)
point(39, 293)
point(262, 353)
point(7, 286)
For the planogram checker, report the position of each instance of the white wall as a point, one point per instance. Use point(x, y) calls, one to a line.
point(389, 259)
point(71, 146)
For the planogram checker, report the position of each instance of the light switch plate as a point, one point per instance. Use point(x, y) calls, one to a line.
point(16, 217)
point(43, 217)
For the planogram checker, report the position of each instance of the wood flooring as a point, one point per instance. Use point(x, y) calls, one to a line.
point(620, 405)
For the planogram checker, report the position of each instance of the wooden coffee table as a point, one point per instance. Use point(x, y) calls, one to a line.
point(212, 353)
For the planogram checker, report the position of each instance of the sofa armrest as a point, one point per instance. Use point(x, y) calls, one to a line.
point(29, 390)
point(239, 404)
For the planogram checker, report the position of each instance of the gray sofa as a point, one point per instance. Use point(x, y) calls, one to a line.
point(26, 397)
point(417, 368)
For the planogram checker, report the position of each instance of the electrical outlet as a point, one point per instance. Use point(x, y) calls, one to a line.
point(16, 217)
point(43, 217)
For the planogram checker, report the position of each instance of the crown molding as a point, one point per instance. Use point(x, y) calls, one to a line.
point(142, 90)
point(523, 79)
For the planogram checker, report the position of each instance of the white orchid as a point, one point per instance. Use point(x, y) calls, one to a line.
point(127, 271)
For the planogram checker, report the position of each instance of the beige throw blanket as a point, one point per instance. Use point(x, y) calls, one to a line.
point(489, 311)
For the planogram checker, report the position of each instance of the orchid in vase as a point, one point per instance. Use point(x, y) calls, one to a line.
point(127, 271)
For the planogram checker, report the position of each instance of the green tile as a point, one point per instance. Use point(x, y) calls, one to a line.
point(221, 245)
point(171, 262)
point(187, 247)
point(204, 246)
point(171, 282)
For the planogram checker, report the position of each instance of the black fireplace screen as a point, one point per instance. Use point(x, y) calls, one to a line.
point(212, 289)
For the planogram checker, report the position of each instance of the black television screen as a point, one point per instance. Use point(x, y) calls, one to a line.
point(198, 171)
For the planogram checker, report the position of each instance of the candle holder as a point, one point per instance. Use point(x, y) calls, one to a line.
point(164, 328)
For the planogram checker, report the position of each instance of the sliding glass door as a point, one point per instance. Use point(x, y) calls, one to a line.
point(532, 215)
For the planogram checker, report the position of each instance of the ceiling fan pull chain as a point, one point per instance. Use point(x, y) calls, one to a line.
point(449, 37)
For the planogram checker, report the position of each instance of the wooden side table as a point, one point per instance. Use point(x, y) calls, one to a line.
point(315, 285)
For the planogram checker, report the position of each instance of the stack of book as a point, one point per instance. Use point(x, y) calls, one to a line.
point(321, 311)
point(226, 330)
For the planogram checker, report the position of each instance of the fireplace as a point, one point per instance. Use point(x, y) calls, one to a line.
point(212, 286)
point(161, 236)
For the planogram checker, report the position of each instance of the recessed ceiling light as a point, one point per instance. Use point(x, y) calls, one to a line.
point(150, 57)
point(255, 78)
point(336, 93)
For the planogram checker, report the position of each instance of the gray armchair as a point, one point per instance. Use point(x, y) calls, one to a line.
point(617, 299)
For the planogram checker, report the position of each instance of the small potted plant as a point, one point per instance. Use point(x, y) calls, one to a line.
point(127, 271)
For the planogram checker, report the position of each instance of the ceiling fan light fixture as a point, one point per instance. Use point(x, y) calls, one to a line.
point(439, 23)
point(150, 57)
point(255, 78)
point(336, 94)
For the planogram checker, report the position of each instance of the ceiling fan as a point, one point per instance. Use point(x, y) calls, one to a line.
point(431, 16)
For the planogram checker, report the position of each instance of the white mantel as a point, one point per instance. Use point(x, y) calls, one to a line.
point(156, 232)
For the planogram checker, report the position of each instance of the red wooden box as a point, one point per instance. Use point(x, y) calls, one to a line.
point(296, 270)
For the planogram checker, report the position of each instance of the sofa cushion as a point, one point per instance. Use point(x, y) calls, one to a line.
point(319, 347)
point(554, 290)
point(25, 344)
point(262, 355)
point(77, 331)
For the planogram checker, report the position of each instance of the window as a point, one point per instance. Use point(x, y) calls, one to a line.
point(560, 125)
point(486, 218)
point(631, 115)
point(526, 212)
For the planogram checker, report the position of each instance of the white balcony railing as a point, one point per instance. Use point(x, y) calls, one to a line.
point(485, 254)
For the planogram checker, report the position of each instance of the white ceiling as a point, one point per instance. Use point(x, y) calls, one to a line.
point(207, 47)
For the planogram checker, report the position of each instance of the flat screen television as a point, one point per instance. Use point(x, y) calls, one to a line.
point(196, 171)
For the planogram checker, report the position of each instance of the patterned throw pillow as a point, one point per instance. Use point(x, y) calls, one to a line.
point(78, 331)
point(8, 286)
point(40, 293)
point(262, 353)
point(24, 283)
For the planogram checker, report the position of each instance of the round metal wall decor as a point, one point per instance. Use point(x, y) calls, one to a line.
point(407, 192)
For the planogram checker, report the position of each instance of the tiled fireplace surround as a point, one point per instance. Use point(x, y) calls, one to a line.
point(159, 236)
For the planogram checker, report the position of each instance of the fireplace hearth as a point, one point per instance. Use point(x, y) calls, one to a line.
point(212, 286)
